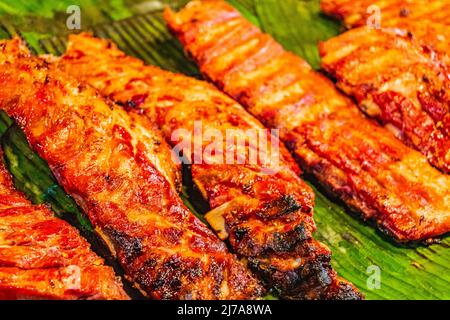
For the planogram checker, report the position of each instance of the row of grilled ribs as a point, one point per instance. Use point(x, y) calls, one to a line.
point(398, 70)
point(43, 257)
point(351, 156)
point(119, 171)
point(113, 156)
point(264, 211)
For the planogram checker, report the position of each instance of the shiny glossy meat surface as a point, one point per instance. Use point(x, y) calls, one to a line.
point(400, 82)
point(43, 257)
point(393, 12)
point(351, 156)
point(114, 165)
point(264, 209)
point(422, 20)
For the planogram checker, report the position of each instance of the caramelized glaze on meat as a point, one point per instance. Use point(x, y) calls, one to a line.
point(264, 209)
point(361, 162)
point(105, 159)
point(393, 12)
point(43, 257)
point(400, 82)
point(422, 21)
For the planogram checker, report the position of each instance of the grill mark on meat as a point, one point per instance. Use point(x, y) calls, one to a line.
point(264, 215)
point(351, 156)
point(411, 96)
point(90, 143)
point(43, 257)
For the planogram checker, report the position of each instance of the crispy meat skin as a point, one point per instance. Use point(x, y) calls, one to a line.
point(267, 210)
point(425, 22)
point(43, 257)
point(393, 12)
point(399, 82)
point(104, 158)
point(351, 156)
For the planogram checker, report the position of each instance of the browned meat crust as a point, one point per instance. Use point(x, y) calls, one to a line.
point(355, 13)
point(400, 82)
point(43, 257)
point(264, 210)
point(110, 163)
point(358, 160)
point(425, 22)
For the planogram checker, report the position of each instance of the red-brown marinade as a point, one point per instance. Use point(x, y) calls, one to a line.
point(356, 13)
point(262, 207)
point(426, 23)
point(399, 81)
point(118, 170)
point(351, 156)
point(44, 257)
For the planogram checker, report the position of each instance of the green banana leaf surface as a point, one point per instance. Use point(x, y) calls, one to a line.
point(380, 268)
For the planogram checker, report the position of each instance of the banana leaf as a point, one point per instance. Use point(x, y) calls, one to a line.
point(381, 268)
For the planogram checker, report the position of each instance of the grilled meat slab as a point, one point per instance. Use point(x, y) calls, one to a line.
point(351, 156)
point(425, 22)
point(356, 13)
point(422, 21)
point(434, 38)
point(398, 81)
point(43, 257)
point(264, 209)
point(110, 163)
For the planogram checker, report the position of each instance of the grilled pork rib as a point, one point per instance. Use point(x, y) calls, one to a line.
point(425, 22)
point(264, 210)
point(398, 81)
point(110, 162)
point(356, 13)
point(43, 257)
point(361, 162)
